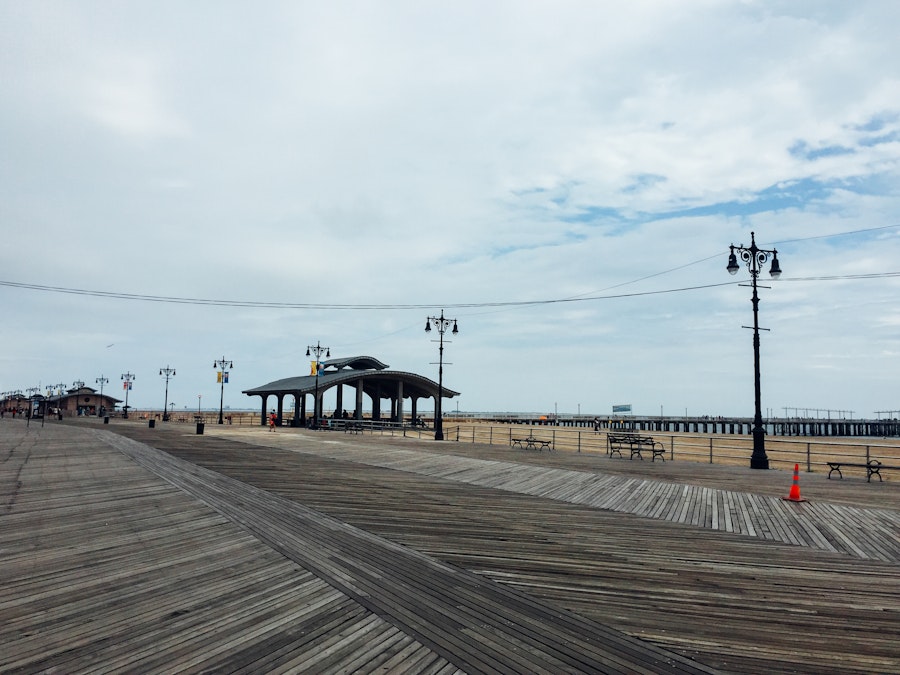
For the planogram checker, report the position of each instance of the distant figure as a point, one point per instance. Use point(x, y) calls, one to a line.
point(597, 425)
point(272, 422)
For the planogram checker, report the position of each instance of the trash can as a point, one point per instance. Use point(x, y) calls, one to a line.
point(152, 424)
point(200, 427)
point(106, 420)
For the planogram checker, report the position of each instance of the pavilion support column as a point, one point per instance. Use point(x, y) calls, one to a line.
point(296, 421)
point(280, 408)
point(357, 414)
point(412, 404)
point(262, 410)
point(376, 403)
point(400, 402)
point(303, 410)
point(339, 401)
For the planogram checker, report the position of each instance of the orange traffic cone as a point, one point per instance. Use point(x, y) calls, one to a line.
point(795, 488)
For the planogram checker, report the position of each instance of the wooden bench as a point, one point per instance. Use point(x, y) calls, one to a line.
point(873, 468)
point(532, 443)
point(353, 428)
point(615, 443)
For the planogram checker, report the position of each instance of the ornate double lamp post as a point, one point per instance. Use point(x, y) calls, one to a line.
point(222, 364)
point(442, 325)
point(100, 407)
point(77, 385)
point(127, 379)
point(32, 395)
point(755, 258)
point(318, 350)
point(168, 373)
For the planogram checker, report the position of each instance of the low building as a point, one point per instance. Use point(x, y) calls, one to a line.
point(83, 402)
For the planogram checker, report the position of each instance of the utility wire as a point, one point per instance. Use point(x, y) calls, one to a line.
point(584, 297)
point(457, 305)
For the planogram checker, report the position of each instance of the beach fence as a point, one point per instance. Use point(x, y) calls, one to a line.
point(811, 453)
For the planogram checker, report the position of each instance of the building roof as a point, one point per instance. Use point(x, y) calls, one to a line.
point(376, 378)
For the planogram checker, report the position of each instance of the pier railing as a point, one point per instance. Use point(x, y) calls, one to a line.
point(812, 454)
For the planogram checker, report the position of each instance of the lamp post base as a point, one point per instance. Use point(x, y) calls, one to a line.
point(759, 459)
point(759, 462)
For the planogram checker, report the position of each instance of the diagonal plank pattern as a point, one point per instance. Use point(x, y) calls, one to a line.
point(734, 602)
point(475, 623)
point(862, 532)
point(107, 567)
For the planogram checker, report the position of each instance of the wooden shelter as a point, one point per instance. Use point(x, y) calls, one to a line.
point(365, 375)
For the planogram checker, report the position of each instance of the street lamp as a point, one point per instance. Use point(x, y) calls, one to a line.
point(77, 385)
point(169, 373)
point(32, 393)
point(317, 350)
point(60, 390)
point(101, 381)
point(442, 325)
point(755, 258)
point(127, 379)
point(222, 364)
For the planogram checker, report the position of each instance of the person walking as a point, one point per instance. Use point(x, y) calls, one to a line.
point(272, 421)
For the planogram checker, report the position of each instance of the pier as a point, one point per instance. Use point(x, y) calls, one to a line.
point(792, 426)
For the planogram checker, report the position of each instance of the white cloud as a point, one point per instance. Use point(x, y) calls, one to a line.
point(352, 153)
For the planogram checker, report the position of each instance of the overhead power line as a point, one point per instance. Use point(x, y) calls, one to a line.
point(383, 306)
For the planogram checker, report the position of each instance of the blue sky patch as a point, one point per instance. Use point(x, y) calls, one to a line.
point(803, 150)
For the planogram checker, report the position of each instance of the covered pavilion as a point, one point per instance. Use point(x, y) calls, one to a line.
point(367, 376)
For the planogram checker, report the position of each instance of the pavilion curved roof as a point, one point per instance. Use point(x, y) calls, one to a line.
point(350, 371)
point(356, 363)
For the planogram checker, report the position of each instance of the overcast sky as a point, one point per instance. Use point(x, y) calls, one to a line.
point(563, 178)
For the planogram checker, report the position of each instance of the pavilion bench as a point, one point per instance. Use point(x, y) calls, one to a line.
point(353, 427)
point(873, 468)
point(532, 443)
point(634, 443)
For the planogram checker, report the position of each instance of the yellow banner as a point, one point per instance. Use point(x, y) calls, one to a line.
point(312, 367)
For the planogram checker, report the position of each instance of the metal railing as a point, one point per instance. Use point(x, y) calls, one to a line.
point(812, 454)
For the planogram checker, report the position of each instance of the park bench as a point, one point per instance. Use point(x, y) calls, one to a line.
point(615, 443)
point(873, 468)
point(532, 443)
point(353, 427)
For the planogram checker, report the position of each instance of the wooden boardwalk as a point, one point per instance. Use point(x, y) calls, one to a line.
point(108, 567)
point(446, 556)
point(864, 532)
